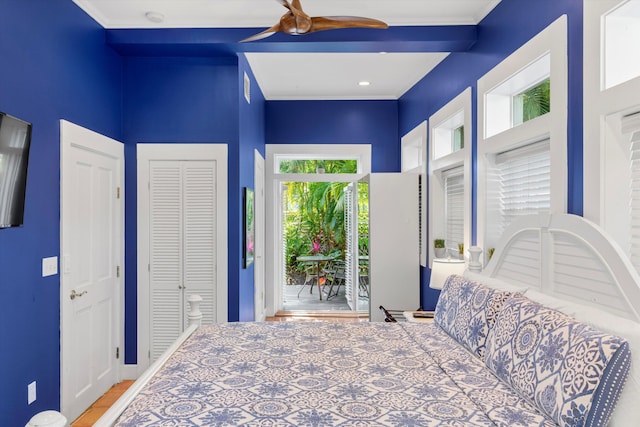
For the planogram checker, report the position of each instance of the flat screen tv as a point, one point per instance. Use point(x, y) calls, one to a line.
point(15, 140)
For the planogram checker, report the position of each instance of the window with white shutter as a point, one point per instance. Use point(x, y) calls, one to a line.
point(517, 175)
point(454, 207)
point(518, 183)
point(450, 175)
point(631, 129)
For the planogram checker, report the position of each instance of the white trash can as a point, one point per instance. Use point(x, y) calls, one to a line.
point(48, 419)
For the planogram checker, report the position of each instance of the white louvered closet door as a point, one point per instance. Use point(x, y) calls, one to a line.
point(182, 246)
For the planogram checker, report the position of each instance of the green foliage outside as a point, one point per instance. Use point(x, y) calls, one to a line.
point(314, 213)
point(536, 101)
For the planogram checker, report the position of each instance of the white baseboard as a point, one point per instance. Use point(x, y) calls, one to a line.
point(129, 372)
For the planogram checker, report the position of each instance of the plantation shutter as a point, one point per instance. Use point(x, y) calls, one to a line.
point(350, 262)
point(285, 254)
point(454, 207)
point(523, 178)
point(631, 127)
point(182, 246)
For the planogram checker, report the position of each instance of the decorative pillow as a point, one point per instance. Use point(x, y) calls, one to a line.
point(466, 310)
point(572, 372)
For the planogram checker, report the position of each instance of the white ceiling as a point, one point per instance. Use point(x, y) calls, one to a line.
point(307, 75)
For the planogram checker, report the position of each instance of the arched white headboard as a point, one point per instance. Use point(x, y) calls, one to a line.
point(568, 257)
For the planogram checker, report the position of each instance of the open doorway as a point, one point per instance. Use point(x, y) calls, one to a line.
point(325, 227)
point(317, 217)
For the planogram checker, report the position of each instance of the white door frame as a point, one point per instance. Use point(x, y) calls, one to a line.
point(258, 263)
point(72, 135)
point(274, 152)
point(145, 154)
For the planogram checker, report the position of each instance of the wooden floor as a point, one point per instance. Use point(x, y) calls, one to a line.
point(333, 316)
point(100, 406)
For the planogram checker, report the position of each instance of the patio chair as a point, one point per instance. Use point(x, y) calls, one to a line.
point(335, 277)
point(363, 282)
point(310, 277)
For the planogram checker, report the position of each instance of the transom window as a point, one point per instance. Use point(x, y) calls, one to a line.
point(523, 96)
point(448, 136)
point(318, 166)
point(621, 27)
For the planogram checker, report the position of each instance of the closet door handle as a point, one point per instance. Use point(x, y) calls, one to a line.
point(75, 294)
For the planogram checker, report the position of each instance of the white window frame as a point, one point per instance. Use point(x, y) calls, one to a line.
point(462, 157)
point(606, 149)
point(551, 41)
point(414, 160)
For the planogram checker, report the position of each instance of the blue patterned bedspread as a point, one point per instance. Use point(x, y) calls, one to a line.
point(326, 374)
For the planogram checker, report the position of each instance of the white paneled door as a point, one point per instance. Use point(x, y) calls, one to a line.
point(260, 302)
point(91, 276)
point(181, 240)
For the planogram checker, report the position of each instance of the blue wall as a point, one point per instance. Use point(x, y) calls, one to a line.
point(504, 30)
point(339, 122)
point(54, 65)
point(177, 100)
point(252, 129)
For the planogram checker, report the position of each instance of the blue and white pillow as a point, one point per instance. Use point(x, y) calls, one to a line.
point(572, 372)
point(466, 310)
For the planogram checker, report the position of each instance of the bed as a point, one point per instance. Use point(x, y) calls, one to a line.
point(547, 334)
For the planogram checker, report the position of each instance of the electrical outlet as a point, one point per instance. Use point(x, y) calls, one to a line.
point(31, 393)
point(49, 266)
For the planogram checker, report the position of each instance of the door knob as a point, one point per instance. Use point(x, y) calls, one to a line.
point(75, 294)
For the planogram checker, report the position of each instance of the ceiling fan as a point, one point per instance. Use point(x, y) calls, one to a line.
point(296, 22)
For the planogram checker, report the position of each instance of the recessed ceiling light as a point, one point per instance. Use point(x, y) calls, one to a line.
point(156, 17)
point(364, 83)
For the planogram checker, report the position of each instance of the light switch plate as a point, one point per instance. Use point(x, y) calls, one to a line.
point(49, 266)
point(31, 393)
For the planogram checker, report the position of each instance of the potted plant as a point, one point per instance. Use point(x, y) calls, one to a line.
point(439, 249)
point(461, 250)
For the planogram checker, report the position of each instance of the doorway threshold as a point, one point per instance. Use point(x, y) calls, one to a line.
point(301, 315)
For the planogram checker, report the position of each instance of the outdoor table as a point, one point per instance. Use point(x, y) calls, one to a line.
point(318, 259)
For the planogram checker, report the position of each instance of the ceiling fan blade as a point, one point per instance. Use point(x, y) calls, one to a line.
point(263, 34)
point(294, 7)
point(321, 23)
point(295, 4)
point(285, 3)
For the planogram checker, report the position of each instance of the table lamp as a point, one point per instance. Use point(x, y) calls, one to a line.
point(442, 268)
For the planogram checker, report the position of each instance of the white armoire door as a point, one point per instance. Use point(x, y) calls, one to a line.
point(394, 259)
point(182, 246)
